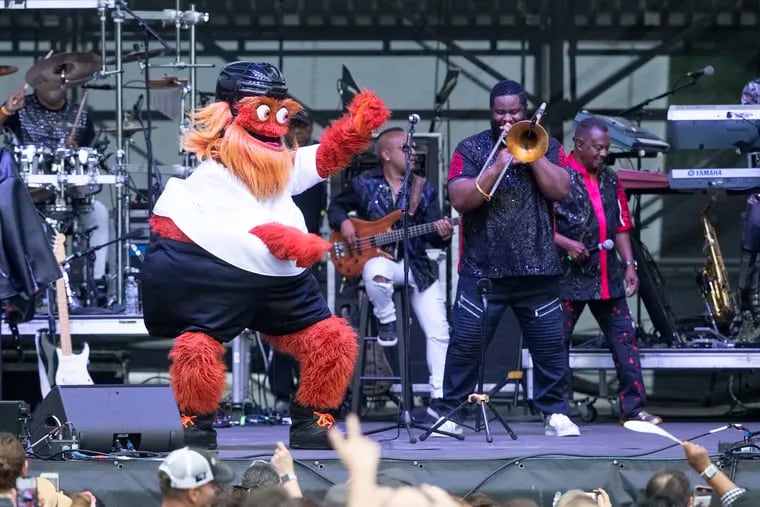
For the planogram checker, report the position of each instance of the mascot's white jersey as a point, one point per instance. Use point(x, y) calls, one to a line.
point(215, 209)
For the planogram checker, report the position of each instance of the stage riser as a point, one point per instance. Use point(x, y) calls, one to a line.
point(135, 482)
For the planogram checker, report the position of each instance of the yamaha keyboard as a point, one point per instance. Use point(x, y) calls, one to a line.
point(733, 178)
point(715, 127)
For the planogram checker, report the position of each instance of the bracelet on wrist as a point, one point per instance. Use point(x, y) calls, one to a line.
point(709, 472)
point(632, 262)
point(486, 196)
point(4, 109)
point(287, 477)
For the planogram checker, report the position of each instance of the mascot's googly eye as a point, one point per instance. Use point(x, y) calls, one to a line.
point(282, 116)
point(263, 112)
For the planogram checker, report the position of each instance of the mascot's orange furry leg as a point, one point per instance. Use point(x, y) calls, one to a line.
point(326, 352)
point(198, 381)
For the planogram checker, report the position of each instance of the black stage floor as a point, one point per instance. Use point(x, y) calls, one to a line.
point(533, 466)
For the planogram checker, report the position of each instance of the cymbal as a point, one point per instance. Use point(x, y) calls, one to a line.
point(135, 56)
point(166, 83)
point(63, 71)
point(7, 69)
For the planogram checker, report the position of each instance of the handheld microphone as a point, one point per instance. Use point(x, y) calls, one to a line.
point(707, 71)
point(607, 244)
point(414, 118)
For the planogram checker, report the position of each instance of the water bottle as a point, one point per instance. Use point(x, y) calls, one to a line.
point(131, 296)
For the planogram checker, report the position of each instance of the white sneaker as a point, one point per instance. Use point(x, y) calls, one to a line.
point(449, 427)
point(559, 425)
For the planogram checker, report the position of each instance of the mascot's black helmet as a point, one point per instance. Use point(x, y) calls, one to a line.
point(245, 79)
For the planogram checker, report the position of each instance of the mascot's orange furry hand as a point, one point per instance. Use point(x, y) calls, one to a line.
point(350, 134)
point(288, 243)
point(368, 112)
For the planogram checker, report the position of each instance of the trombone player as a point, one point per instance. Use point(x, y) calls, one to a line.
point(507, 238)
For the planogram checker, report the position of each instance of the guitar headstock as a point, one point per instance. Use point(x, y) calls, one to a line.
point(59, 247)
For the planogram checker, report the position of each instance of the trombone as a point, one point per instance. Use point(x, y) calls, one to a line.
point(526, 140)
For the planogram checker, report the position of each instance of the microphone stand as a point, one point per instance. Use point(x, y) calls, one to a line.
point(639, 110)
point(76, 255)
point(149, 32)
point(680, 85)
point(405, 417)
point(480, 398)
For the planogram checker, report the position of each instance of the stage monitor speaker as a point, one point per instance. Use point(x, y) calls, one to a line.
point(13, 417)
point(107, 418)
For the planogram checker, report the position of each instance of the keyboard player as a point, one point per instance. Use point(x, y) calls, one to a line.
point(749, 260)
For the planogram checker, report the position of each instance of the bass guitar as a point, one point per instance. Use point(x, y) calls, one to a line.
point(64, 367)
point(350, 258)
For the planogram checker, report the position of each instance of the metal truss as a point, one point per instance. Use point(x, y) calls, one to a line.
point(550, 31)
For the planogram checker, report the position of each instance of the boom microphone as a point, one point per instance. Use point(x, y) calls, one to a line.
point(707, 71)
point(414, 118)
point(537, 117)
point(137, 108)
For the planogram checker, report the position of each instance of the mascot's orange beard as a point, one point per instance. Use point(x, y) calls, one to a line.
point(263, 169)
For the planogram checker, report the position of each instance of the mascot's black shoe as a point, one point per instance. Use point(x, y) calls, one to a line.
point(309, 426)
point(199, 431)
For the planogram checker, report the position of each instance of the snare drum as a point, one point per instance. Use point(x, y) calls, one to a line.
point(79, 166)
point(34, 161)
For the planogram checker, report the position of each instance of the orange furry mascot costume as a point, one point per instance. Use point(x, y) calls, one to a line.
point(230, 251)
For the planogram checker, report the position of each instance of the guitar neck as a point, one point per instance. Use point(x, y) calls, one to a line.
point(395, 235)
point(63, 317)
point(59, 249)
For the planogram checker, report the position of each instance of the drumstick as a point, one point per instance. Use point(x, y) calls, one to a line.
point(26, 85)
point(79, 115)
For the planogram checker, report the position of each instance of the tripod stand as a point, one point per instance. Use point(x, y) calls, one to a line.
point(480, 398)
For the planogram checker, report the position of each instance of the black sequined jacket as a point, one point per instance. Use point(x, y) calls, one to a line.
point(513, 234)
point(595, 210)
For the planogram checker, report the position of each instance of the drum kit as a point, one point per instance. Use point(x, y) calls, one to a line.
point(63, 180)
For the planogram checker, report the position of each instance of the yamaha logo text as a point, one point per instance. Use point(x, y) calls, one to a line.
point(705, 172)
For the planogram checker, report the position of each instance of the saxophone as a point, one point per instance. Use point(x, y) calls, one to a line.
point(713, 277)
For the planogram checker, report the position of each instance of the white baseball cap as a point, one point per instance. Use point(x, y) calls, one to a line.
point(189, 468)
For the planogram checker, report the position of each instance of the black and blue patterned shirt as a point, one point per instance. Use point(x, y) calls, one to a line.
point(37, 125)
point(371, 197)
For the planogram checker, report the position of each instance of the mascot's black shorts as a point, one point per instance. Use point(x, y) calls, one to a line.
point(185, 288)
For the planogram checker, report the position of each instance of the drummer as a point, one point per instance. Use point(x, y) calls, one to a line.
point(45, 119)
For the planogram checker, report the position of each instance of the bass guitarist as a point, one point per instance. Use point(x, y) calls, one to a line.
point(373, 195)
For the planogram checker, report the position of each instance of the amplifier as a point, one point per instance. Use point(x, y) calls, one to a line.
point(13, 416)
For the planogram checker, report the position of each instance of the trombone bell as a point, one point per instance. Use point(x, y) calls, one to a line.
point(527, 145)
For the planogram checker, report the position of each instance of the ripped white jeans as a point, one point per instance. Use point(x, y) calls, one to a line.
point(429, 306)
